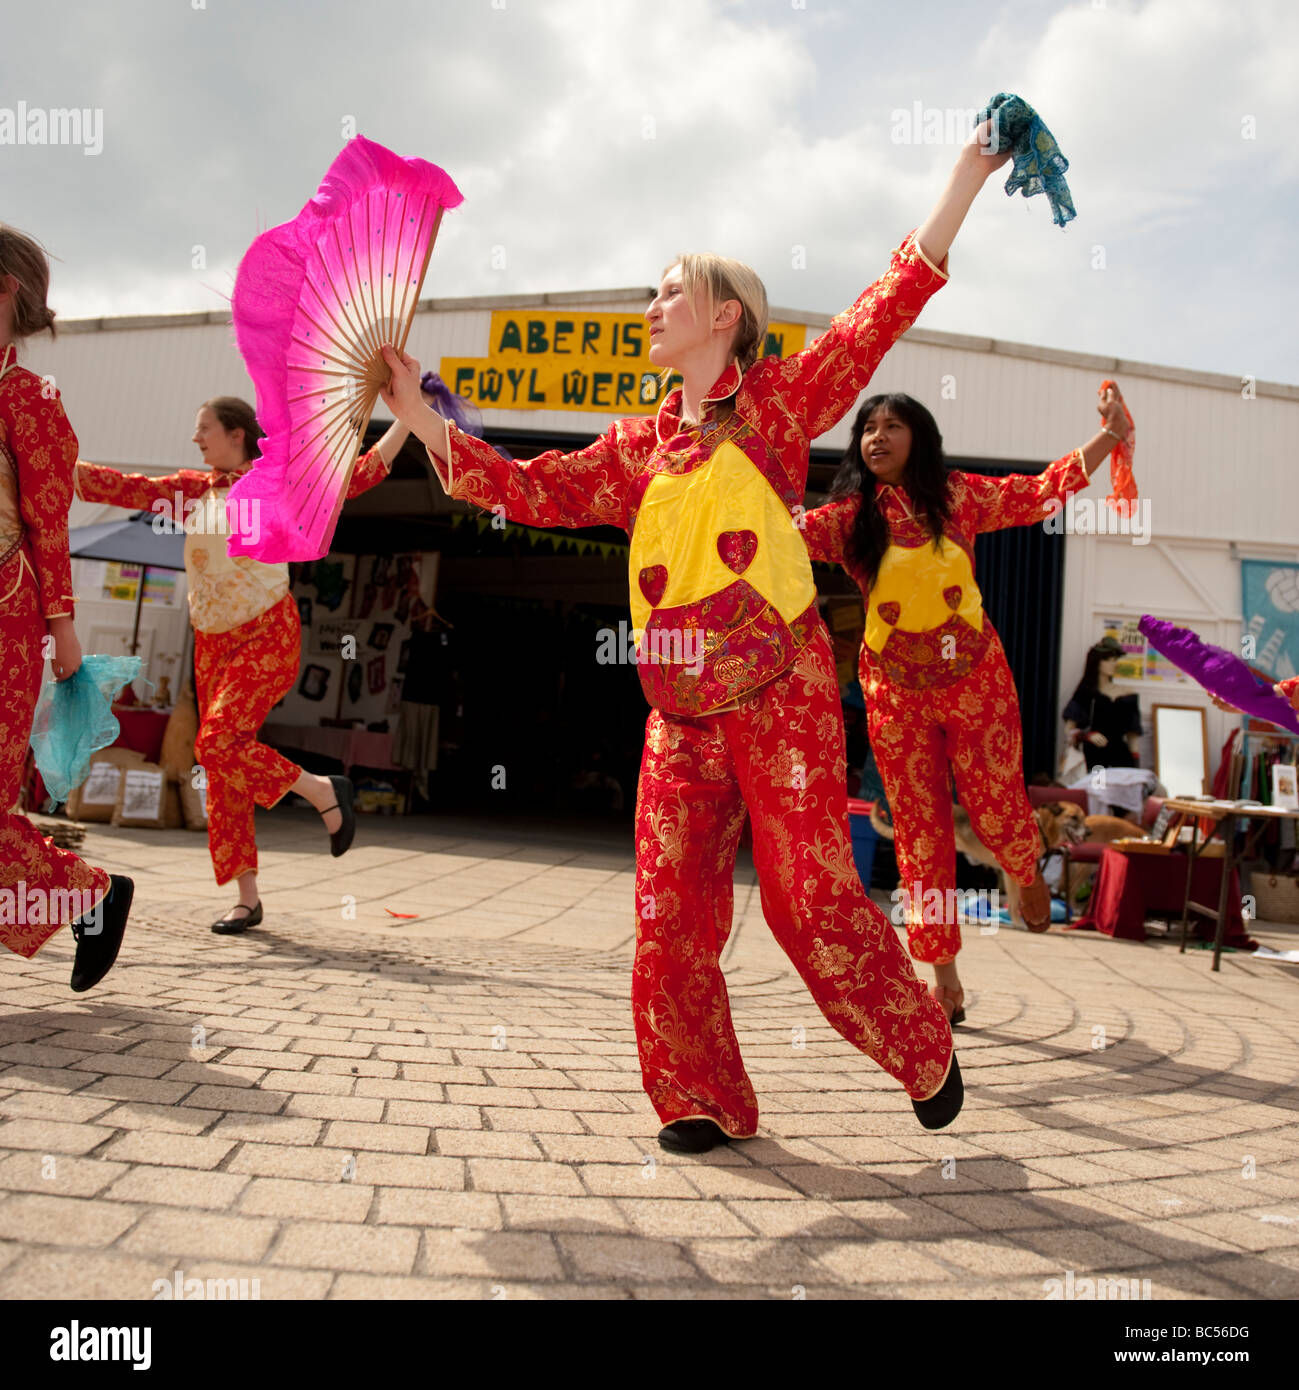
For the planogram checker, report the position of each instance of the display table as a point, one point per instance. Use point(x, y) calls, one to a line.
point(351, 747)
point(1131, 887)
point(1225, 818)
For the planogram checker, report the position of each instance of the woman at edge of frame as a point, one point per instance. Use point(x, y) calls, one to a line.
point(247, 642)
point(940, 696)
point(38, 452)
point(738, 669)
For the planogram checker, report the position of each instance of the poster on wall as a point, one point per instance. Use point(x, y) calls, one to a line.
point(1270, 617)
point(1132, 664)
point(391, 592)
point(322, 589)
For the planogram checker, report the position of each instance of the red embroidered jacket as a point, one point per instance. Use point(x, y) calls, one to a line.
point(38, 452)
point(925, 624)
point(224, 591)
point(721, 587)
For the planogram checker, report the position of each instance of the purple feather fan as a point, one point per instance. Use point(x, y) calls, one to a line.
point(1220, 672)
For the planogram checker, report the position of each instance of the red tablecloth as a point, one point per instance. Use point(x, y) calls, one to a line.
point(1131, 887)
point(142, 730)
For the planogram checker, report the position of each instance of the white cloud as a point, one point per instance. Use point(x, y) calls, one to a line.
point(770, 129)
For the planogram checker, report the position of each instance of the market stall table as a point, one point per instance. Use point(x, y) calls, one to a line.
point(1226, 817)
point(1131, 887)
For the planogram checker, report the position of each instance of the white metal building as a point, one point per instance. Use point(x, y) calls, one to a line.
point(1215, 456)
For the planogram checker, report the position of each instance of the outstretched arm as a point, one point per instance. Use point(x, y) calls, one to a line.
point(584, 488)
point(1023, 499)
point(974, 166)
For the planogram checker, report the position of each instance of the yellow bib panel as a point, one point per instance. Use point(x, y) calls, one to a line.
point(697, 532)
point(914, 585)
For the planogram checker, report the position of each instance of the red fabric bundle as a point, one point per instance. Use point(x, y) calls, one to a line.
point(1124, 497)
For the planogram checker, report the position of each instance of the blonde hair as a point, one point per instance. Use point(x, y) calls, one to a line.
point(24, 258)
point(720, 278)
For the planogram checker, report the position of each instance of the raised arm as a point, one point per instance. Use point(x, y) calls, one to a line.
point(375, 464)
point(585, 488)
point(1022, 499)
point(973, 167)
point(819, 385)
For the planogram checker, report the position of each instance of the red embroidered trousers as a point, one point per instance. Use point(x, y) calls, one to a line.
point(26, 856)
point(781, 755)
point(973, 727)
point(242, 675)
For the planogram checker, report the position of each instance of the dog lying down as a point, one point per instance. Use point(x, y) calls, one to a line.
point(1059, 822)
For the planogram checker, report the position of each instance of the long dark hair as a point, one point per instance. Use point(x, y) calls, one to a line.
point(1092, 670)
point(924, 479)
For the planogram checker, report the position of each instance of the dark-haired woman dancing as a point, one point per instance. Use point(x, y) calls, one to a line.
point(940, 698)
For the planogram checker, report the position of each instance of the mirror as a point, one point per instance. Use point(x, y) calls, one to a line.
point(1181, 745)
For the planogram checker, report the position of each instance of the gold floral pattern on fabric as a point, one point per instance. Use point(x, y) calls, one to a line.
point(969, 730)
point(38, 451)
point(242, 675)
point(780, 764)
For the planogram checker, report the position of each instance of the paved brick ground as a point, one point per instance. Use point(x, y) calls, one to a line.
point(350, 1104)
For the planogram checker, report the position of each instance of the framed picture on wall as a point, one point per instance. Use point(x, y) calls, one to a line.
point(1285, 787)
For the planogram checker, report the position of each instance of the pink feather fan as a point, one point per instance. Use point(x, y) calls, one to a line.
point(314, 300)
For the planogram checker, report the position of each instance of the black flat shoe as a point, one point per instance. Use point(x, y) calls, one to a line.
point(99, 935)
point(340, 840)
point(232, 926)
point(941, 1109)
point(692, 1136)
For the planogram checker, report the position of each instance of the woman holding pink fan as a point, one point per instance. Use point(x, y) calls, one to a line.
point(737, 667)
point(247, 641)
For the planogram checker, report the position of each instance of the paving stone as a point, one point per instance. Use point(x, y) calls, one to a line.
point(500, 1256)
point(347, 1246)
point(169, 1150)
point(197, 1235)
point(38, 1219)
point(351, 1130)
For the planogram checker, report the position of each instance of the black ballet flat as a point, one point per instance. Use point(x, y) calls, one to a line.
point(692, 1136)
point(942, 1108)
point(99, 934)
point(340, 840)
point(232, 926)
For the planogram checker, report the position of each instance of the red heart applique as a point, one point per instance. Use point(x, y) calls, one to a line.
point(890, 612)
point(653, 581)
point(737, 549)
point(953, 597)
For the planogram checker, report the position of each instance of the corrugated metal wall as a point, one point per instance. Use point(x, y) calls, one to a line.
point(1212, 462)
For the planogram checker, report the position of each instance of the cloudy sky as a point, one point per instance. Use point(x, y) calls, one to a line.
point(593, 139)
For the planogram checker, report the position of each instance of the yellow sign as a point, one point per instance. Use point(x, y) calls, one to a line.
point(567, 360)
